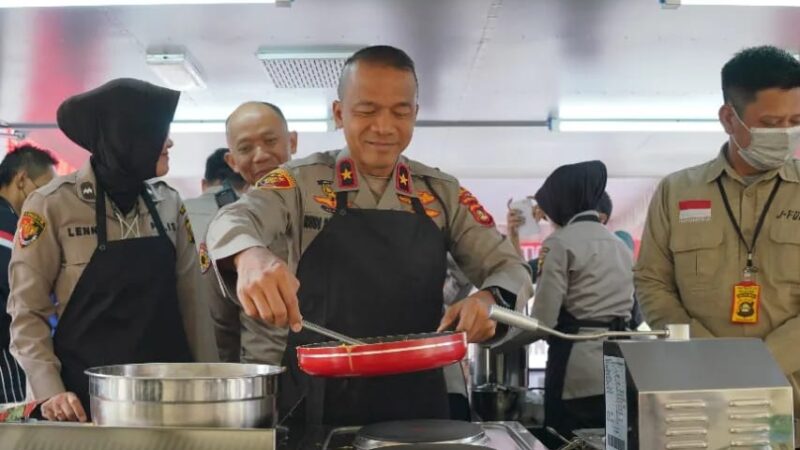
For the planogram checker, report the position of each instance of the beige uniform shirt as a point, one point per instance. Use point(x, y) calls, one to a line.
point(209, 295)
point(239, 338)
point(301, 197)
point(691, 256)
point(50, 258)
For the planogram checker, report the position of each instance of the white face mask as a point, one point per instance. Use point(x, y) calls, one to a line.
point(769, 148)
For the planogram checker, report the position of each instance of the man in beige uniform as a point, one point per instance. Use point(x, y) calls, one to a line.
point(368, 233)
point(259, 141)
point(220, 186)
point(115, 251)
point(704, 234)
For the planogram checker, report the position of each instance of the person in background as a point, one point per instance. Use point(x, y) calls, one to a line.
point(23, 170)
point(221, 185)
point(584, 283)
point(116, 250)
point(626, 238)
point(718, 233)
point(259, 139)
point(514, 220)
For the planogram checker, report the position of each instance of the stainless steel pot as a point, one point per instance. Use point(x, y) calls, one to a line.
point(185, 395)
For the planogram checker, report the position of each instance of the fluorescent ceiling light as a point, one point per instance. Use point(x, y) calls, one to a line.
point(677, 3)
point(176, 70)
point(635, 125)
point(218, 126)
point(63, 3)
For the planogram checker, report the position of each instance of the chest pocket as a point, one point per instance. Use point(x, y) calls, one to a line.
point(782, 253)
point(697, 253)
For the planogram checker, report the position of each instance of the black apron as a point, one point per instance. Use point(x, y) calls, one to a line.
point(369, 273)
point(124, 308)
point(558, 353)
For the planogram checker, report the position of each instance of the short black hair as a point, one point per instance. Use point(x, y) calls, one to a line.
point(269, 105)
point(384, 55)
point(755, 69)
point(605, 206)
point(33, 160)
point(218, 171)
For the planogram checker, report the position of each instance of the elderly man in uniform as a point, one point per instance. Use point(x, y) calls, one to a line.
point(259, 140)
point(721, 247)
point(369, 232)
point(116, 251)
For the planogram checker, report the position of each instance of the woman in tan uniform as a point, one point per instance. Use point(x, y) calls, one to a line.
point(115, 251)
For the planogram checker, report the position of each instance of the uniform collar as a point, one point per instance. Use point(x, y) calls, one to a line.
point(86, 185)
point(720, 165)
point(583, 214)
point(348, 178)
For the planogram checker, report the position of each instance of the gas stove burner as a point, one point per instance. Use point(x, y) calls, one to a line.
point(419, 432)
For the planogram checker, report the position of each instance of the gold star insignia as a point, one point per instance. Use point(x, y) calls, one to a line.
point(403, 179)
point(347, 175)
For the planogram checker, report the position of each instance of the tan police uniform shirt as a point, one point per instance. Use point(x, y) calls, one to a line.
point(209, 295)
point(239, 338)
point(300, 198)
point(54, 261)
point(691, 256)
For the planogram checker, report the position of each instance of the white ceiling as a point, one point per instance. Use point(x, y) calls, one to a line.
point(478, 60)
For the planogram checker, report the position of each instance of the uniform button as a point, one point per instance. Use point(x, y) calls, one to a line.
point(748, 194)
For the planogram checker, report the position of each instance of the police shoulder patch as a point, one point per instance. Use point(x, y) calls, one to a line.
point(205, 260)
point(279, 178)
point(189, 231)
point(540, 264)
point(477, 210)
point(31, 226)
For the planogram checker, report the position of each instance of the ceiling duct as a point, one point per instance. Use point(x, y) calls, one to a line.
point(304, 68)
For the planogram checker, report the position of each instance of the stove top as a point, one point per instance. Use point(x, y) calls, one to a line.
point(418, 432)
point(421, 434)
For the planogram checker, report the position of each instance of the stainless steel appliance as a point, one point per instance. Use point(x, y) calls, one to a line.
point(704, 393)
point(498, 383)
point(677, 393)
point(184, 395)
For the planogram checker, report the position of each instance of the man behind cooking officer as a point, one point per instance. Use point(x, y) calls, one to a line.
point(369, 232)
point(259, 140)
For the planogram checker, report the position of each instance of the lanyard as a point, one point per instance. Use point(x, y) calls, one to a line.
point(752, 247)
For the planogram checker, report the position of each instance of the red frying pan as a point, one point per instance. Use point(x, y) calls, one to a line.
point(383, 356)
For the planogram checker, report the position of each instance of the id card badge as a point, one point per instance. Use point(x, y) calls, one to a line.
point(746, 299)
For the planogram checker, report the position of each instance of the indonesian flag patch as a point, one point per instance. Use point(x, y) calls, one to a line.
point(694, 211)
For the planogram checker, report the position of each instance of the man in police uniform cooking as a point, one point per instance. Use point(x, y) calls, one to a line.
point(369, 232)
point(721, 249)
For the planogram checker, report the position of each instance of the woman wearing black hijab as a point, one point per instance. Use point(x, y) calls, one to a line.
point(585, 282)
point(115, 250)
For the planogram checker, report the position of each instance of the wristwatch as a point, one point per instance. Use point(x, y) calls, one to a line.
point(497, 293)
